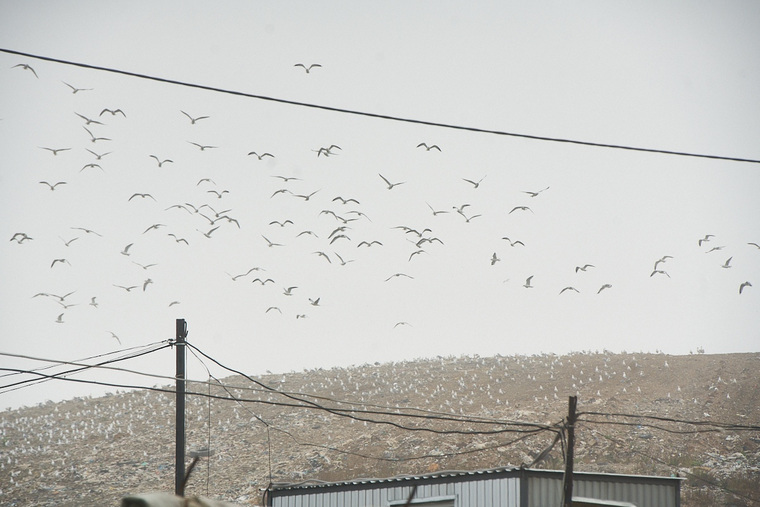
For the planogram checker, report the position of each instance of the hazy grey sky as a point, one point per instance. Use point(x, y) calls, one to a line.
point(680, 76)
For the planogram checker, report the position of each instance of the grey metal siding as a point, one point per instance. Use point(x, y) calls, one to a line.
point(500, 488)
point(499, 492)
point(642, 495)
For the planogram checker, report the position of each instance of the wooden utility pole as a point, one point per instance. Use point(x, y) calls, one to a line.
point(567, 486)
point(179, 453)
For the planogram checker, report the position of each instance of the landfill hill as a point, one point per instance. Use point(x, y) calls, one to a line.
point(413, 417)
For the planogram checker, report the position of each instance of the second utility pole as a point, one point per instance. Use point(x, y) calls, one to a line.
point(179, 453)
point(567, 487)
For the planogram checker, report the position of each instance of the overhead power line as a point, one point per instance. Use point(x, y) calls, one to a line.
point(362, 415)
point(713, 424)
point(73, 371)
point(380, 116)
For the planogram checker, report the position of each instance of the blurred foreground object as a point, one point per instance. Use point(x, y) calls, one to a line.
point(169, 500)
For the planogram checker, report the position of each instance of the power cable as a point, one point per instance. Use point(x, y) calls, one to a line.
point(26, 382)
point(716, 424)
point(75, 362)
point(59, 362)
point(381, 116)
point(208, 423)
point(535, 427)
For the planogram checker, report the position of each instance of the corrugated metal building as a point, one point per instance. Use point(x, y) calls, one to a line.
point(500, 487)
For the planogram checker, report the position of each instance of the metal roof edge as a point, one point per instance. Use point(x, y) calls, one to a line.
point(457, 475)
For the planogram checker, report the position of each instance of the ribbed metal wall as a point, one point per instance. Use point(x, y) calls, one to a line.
point(503, 492)
point(547, 492)
point(538, 489)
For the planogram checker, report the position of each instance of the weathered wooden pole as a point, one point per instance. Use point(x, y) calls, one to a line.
point(179, 453)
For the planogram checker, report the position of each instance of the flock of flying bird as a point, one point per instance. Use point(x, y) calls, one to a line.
point(346, 212)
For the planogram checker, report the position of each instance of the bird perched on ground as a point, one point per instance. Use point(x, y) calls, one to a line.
point(193, 120)
point(308, 69)
point(428, 147)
